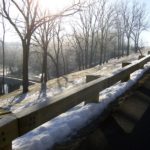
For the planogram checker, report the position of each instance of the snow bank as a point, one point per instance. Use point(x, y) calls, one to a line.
point(67, 124)
point(57, 129)
point(37, 97)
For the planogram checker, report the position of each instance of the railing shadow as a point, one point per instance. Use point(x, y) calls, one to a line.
point(17, 99)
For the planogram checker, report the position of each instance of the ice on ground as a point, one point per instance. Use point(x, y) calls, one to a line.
point(67, 124)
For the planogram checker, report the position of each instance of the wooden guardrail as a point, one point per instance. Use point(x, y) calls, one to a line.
point(15, 125)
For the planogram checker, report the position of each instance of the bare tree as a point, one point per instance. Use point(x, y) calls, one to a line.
point(51, 40)
point(108, 26)
point(119, 31)
point(81, 31)
point(140, 24)
point(85, 34)
point(92, 32)
point(42, 37)
point(26, 22)
point(128, 15)
point(3, 49)
point(55, 50)
point(75, 47)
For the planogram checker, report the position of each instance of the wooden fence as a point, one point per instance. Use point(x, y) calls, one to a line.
point(15, 125)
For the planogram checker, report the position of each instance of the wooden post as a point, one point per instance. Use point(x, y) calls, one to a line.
point(95, 96)
point(140, 57)
point(141, 65)
point(125, 64)
point(7, 147)
point(91, 77)
point(8, 131)
point(127, 77)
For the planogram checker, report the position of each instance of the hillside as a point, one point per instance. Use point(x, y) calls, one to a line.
point(63, 127)
point(15, 101)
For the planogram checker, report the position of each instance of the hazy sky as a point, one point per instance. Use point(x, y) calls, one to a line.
point(53, 5)
point(146, 34)
point(59, 4)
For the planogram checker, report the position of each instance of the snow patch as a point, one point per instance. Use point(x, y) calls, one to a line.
point(67, 124)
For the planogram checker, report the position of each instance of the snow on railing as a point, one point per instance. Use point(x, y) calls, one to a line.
point(15, 125)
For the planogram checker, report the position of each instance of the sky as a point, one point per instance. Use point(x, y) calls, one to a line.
point(55, 5)
point(146, 34)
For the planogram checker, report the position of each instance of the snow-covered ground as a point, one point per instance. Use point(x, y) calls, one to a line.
point(16, 104)
point(67, 124)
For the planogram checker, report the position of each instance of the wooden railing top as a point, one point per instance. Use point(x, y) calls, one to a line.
point(14, 125)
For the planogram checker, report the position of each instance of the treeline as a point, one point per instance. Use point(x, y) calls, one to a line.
point(81, 36)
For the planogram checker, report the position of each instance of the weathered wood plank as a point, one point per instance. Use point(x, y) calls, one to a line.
point(125, 63)
point(4, 112)
point(94, 98)
point(36, 115)
point(13, 126)
point(8, 130)
point(141, 56)
point(91, 77)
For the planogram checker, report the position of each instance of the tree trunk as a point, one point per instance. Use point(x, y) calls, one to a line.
point(122, 45)
point(105, 51)
point(128, 46)
point(114, 51)
point(3, 49)
point(118, 55)
point(25, 67)
point(101, 48)
point(57, 70)
point(92, 51)
point(101, 53)
point(3, 80)
point(44, 68)
point(64, 62)
point(135, 46)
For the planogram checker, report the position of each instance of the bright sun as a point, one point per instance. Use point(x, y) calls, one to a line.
point(55, 5)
